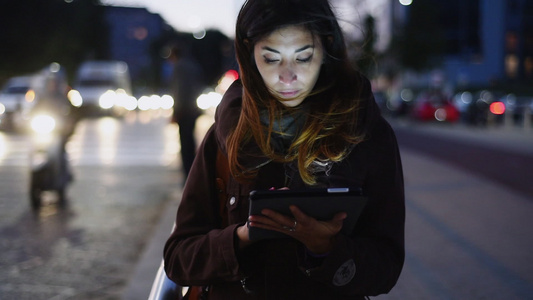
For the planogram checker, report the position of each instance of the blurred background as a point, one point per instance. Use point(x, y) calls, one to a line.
point(469, 45)
point(90, 172)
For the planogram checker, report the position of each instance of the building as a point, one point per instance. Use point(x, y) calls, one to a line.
point(132, 31)
point(487, 42)
point(503, 52)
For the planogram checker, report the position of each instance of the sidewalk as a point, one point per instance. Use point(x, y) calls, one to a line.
point(466, 237)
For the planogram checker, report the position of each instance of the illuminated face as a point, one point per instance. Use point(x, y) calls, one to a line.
point(289, 61)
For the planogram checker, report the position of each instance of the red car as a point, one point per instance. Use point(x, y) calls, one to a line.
point(435, 105)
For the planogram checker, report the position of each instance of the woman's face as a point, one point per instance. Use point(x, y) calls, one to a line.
point(289, 61)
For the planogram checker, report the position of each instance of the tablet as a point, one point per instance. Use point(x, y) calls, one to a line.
point(321, 204)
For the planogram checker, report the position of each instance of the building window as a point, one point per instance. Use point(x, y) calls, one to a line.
point(511, 41)
point(460, 21)
point(140, 33)
point(511, 65)
point(528, 67)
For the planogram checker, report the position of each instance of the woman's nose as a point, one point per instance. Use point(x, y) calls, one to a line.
point(287, 75)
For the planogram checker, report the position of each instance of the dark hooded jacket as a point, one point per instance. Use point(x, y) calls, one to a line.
point(202, 251)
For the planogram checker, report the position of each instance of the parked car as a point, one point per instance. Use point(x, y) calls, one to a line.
point(382, 100)
point(435, 105)
point(401, 104)
point(518, 107)
point(480, 108)
point(17, 98)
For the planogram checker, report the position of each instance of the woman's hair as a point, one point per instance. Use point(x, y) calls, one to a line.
point(334, 102)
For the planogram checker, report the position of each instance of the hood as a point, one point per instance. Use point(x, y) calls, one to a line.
point(227, 113)
point(226, 118)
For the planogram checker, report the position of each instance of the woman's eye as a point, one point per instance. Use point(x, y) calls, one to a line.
point(270, 60)
point(304, 60)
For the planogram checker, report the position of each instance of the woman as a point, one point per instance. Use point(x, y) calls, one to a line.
point(299, 118)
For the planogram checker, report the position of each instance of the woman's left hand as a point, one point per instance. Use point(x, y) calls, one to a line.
point(317, 236)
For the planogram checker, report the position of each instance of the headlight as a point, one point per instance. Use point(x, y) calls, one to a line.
point(43, 124)
point(167, 102)
point(206, 101)
point(75, 98)
point(107, 100)
point(30, 96)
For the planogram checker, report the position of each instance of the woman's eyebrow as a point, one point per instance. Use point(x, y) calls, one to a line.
point(297, 50)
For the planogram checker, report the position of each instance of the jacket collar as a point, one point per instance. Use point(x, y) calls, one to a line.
point(226, 118)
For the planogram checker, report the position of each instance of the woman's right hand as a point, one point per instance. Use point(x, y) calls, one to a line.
point(243, 236)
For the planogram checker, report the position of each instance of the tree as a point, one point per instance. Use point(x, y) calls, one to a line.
point(367, 61)
point(421, 45)
point(37, 32)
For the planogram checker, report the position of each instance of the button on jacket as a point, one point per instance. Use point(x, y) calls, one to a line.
point(202, 250)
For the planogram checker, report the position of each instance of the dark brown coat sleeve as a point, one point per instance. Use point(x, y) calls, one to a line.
point(199, 251)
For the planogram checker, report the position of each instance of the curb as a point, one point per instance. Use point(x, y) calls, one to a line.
point(140, 284)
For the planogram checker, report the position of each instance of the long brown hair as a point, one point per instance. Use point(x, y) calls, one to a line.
point(334, 103)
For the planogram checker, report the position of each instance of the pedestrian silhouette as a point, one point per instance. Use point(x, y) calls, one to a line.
point(186, 85)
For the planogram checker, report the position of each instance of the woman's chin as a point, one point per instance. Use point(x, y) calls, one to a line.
point(292, 102)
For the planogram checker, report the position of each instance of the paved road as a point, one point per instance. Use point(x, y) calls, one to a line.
point(126, 174)
point(504, 155)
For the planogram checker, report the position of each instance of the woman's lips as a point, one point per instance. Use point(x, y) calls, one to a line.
point(289, 94)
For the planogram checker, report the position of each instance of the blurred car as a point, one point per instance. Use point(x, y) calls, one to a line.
point(435, 105)
point(382, 100)
point(400, 104)
point(518, 108)
point(103, 87)
point(480, 108)
point(462, 100)
point(17, 98)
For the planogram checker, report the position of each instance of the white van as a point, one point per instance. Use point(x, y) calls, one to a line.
point(102, 84)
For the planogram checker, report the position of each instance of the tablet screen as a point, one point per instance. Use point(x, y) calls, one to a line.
point(321, 204)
